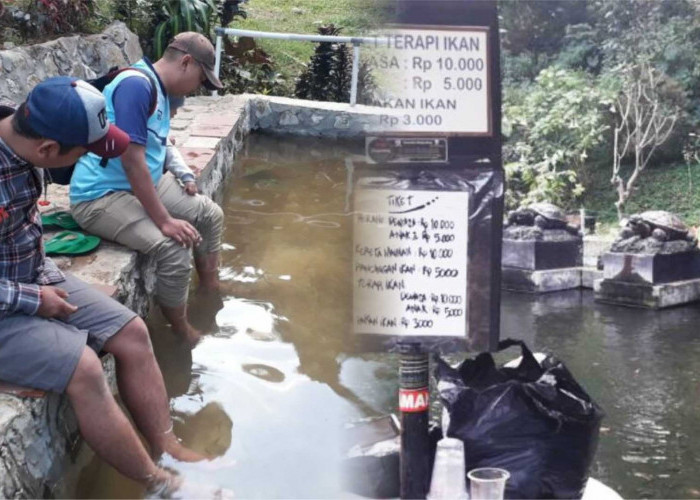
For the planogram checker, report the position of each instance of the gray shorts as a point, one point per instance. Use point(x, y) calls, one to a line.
point(43, 353)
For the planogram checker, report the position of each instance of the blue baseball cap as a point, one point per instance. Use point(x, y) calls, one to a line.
point(72, 112)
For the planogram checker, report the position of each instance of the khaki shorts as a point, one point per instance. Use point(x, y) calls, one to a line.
point(43, 353)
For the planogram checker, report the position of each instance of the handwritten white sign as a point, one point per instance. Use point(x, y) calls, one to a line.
point(410, 262)
point(434, 80)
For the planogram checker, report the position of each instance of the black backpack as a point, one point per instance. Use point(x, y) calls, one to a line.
point(63, 175)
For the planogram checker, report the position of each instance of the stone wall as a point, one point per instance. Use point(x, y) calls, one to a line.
point(311, 118)
point(21, 68)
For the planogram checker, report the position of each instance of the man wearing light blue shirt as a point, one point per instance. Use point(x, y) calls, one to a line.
point(129, 200)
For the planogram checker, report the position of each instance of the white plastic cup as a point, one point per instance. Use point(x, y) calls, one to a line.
point(487, 483)
point(448, 480)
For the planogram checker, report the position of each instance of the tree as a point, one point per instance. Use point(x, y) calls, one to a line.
point(327, 76)
point(646, 114)
point(538, 27)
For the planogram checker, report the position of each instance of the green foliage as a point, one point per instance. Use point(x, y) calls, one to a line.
point(675, 188)
point(141, 17)
point(529, 184)
point(327, 77)
point(182, 15)
point(533, 33)
point(250, 78)
point(522, 68)
point(603, 40)
point(629, 31)
point(581, 49)
point(663, 33)
point(38, 19)
point(536, 26)
point(554, 127)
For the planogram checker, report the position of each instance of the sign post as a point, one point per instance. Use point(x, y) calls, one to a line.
point(428, 206)
point(414, 405)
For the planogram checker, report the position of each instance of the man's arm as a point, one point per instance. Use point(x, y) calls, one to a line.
point(18, 297)
point(131, 100)
point(44, 301)
point(175, 164)
point(134, 162)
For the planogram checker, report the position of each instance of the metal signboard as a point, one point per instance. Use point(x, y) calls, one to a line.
point(435, 81)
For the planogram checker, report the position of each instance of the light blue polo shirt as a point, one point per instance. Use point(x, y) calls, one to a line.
point(128, 99)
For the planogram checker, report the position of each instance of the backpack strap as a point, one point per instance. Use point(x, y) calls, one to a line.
point(154, 87)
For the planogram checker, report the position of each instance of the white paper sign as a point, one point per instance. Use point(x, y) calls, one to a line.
point(410, 262)
point(434, 80)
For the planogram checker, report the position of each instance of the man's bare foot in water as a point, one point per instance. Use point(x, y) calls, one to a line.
point(177, 487)
point(162, 484)
point(178, 451)
point(188, 334)
point(177, 317)
point(203, 309)
point(183, 454)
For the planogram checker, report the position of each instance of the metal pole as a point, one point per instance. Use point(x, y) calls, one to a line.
point(355, 73)
point(298, 37)
point(217, 65)
point(415, 414)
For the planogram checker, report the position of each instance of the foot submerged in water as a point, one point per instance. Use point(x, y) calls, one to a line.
point(190, 335)
point(177, 487)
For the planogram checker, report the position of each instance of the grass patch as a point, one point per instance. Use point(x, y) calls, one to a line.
point(675, 188)
point(356, 17)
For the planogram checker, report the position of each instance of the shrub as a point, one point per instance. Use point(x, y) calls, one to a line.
point(254, 78)
point(554, 127)
point(39, 19)
point(179, 16)
point(327, 76)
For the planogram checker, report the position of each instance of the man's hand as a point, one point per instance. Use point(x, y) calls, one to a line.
point(181, 231)
point(191, 188)
point(53, 303)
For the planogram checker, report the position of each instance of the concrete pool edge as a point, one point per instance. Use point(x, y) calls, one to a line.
point(39, 440)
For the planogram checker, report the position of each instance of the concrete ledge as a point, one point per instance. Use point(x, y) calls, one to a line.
point(537, 255)
point(653, 269)
point(589, 275)
point(647, 295)
point(549, 280)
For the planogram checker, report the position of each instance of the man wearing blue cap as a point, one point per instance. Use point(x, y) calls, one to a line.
point(53, 326)
point(129, 200)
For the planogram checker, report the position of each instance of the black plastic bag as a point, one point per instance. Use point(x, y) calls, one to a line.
point(535, 421)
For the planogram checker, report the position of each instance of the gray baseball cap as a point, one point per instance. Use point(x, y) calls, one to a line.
point(202, 51)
